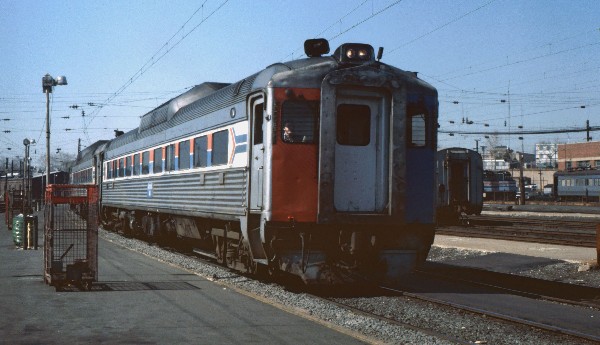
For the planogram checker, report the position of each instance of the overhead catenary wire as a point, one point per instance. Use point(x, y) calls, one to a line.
point(339, 20)
point(153, 60)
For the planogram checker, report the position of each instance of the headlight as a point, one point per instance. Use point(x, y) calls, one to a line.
point(354, 53)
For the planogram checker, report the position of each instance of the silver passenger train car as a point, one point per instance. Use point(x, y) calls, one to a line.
point(322, 167)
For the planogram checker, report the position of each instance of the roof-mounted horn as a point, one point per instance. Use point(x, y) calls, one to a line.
point(316, 47)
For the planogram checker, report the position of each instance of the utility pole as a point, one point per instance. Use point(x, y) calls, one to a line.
point(47, 84)
point(6, 179)
point(587, 129)
point(477, 145)
point(521, 180)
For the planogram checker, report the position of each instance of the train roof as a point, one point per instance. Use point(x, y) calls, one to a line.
point(205, 98)
point(85, 156)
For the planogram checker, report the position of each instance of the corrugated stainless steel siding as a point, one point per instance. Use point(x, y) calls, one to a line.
point(179, 193)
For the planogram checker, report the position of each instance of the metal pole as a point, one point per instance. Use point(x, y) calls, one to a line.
point(27, 180)
point(47, 136)
point(24, 202)
point(521, 181)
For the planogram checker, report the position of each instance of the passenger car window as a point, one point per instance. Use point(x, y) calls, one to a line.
point(128, 166)
point(184, 154)
point(136, 164)
point(108, 170)
point(200, 151)
point(145, 162)
point(157, 160)
point(220, 147)
point(170, 158)
point(122, 167)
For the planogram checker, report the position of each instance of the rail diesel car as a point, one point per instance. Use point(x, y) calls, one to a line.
point(323, 167)
point(460, 184)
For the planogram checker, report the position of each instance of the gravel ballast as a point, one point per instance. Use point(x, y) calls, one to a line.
point(415, 314)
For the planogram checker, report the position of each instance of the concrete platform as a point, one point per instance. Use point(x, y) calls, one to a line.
point(138, 300)
point(537, 250)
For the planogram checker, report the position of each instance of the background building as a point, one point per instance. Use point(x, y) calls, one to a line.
point(546, 155)
point(579, 155)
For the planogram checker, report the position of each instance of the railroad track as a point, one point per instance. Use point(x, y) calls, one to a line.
point(484, 283)
point(579, 232)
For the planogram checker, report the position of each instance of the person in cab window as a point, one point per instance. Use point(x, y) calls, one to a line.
point(288, 134)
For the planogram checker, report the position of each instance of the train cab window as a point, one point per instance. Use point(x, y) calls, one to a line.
point(200, 152)
point(157, 161)
point(184, 155)
point(299, 121)
point(136, 164)
point(170, 158)
point(128, 166)
point(353, 126)
point(417, 133)
point(145, 162)
point(416, 125)
point(220, 151)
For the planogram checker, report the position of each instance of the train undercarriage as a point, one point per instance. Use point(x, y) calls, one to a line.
point(321, 255)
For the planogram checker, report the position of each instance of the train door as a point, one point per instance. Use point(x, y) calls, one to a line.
point(256, 164)
point(361, 165)
point(458, 181)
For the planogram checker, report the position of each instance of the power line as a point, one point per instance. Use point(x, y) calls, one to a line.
point(366, 19)
point(528, 132)
point(152, 61)
point(441, 27)
point(524, 60)
point(373, 14)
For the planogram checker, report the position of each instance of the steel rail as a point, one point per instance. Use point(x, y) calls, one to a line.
point(427, 331)
point(495, 315)
point(581, 233)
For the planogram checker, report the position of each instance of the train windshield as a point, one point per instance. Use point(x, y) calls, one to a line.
point(299, 120)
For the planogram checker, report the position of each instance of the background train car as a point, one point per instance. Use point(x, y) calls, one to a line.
point(38, 185)
point(83, 170)
point(460, 184)
point(499, 185)
point(322, 167)
point(577, 185)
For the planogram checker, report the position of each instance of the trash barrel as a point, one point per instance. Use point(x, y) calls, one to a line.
point(17, 229)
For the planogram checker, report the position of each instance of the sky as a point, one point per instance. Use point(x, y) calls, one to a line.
point(500, 66)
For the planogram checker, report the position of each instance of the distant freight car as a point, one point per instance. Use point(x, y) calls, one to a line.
point(460, 184)
point(577, 185)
